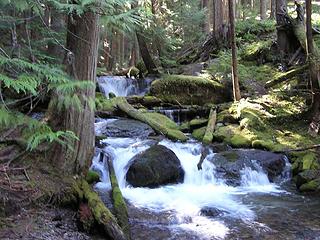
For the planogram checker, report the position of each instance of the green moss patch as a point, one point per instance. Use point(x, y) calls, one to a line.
point(188, 90)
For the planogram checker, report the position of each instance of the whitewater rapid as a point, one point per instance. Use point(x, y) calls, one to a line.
point(199, 189)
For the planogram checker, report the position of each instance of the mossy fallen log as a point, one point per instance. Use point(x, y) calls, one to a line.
point(119, 204)
point(169, 129)
point(208, 136)
point(286, 76)
point(100, 212)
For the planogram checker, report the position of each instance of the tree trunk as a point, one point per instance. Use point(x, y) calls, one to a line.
point(57, 22)
point(145, 54)
point(282, 38)
point(314, 68)
point(235, 79)
point(218, 16)
point(146, 57)
point(263, 9)
point(273, 9)
point(82, 41)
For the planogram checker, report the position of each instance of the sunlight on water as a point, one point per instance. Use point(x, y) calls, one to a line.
point(200, 188)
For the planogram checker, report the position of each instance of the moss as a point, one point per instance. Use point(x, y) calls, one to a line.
point(198, 122)
point(240, 140)
point(119, 204)
point(199, 133)
point(252, 51)
point(188, 90)
point(309, 162)
point(226, 117)
point(104, 104)
point(267, 144)
point(162, 119)
point(184, 127)
point(251, 118)
point(311, 186)
point(231, 156)
point(92, 177)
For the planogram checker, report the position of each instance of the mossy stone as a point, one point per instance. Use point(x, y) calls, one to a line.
point(199, 133)
point(198, 122)
point(92, 177)
point(188, 90)
point(311, 186)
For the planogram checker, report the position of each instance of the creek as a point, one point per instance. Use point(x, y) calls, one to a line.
point(204, 205)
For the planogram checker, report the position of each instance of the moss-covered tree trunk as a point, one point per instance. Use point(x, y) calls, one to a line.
point(82, 41)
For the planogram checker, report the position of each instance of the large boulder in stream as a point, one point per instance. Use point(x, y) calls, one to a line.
point(189, 90)
point(229, 164)
point(156, 166)
point(127, 128)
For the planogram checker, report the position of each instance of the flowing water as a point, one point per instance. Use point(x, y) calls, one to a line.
point(123, 86)
point(256, 209)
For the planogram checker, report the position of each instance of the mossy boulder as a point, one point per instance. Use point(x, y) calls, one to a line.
point(198, 122)
point(307, 176)
point(92, 177)
point(188, 90)
point(235, 136)
point(154, 167)
point(199, 133)
point(312, 186)
point(226, 117)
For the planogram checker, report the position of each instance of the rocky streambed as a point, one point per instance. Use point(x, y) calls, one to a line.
point(187, 190)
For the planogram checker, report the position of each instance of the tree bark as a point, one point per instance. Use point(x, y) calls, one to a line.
point(235, 79)
point(273, 9)
point(57, 22)
point(82, 41)
point(282, 38)
point(314, 69)
point(263, 9)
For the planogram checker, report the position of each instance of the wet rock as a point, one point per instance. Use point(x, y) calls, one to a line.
point(230, 163)
point(211, 212)
point(156, 166)
point(127, 128)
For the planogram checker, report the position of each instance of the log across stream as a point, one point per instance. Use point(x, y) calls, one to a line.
point(235, 200)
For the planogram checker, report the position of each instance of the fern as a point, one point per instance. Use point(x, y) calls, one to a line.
point(35, 132)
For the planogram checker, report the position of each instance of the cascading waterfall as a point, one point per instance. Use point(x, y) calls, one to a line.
point(123, 86)
point(199, 189)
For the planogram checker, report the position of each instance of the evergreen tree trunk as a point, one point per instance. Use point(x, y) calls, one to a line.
point(145, 54)
point(263, 9)
point(217, 16)
point(235, 79)
point(314, 68)
point(273, 9)
point(82, 41)
point(57, 22)
point(282, 38)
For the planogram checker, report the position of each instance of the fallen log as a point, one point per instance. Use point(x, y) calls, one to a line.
point(208, 136)
point(100, 212)
point(286, 76)
point(173, 134)
point(120, 207)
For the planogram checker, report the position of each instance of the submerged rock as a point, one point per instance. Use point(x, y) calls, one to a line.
point(156, 166)
point(211, 212)
point(127, 128)
point(230, 163)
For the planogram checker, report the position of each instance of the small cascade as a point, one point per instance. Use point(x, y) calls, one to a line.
point(123, 86)
point(200, 189)
point(179, 115)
